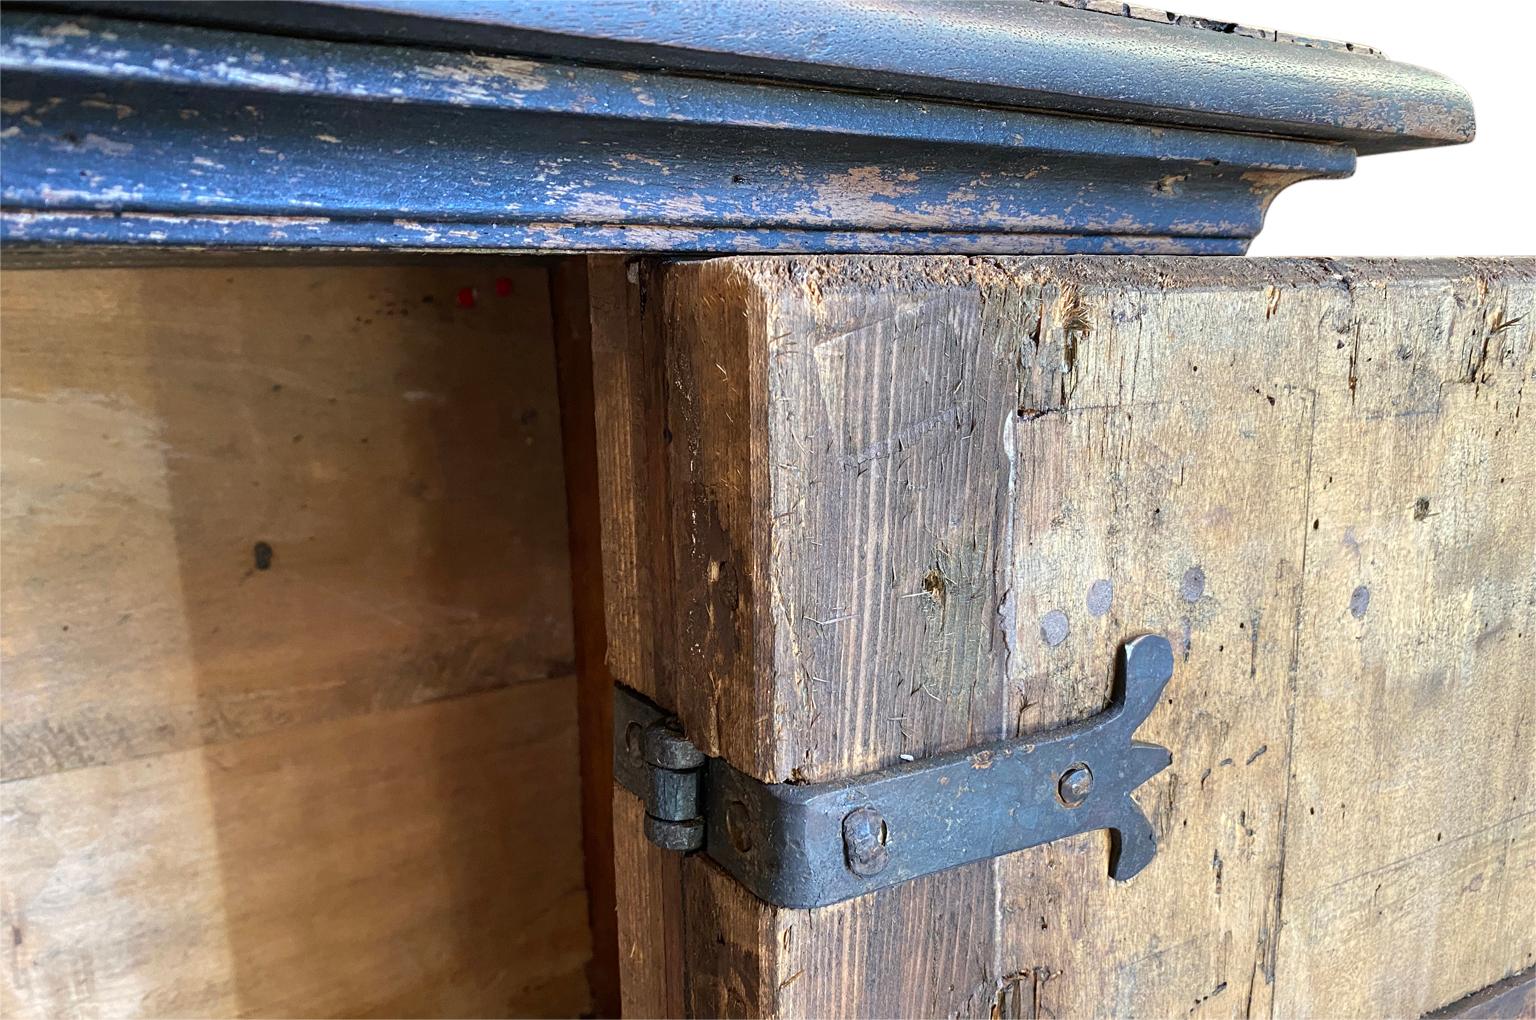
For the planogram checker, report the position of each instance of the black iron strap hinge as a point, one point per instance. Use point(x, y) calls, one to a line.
point(811, 845)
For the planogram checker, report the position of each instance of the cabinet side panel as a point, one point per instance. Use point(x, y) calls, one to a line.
point(1410, 873)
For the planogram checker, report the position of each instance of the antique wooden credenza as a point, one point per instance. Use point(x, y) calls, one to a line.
point(868, 390)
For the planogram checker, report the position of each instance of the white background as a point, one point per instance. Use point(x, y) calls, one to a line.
point(1476, 199)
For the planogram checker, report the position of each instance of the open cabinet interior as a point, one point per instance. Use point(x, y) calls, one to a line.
point(290, 698)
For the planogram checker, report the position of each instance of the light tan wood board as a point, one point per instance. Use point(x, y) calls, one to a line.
point(308, 789)
point(915, 504)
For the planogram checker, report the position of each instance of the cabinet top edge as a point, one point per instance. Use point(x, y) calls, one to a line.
point(1074, 57)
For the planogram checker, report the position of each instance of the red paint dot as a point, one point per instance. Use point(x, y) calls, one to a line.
point(466, 297)
point(503, 286)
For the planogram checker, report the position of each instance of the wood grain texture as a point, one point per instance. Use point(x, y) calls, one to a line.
point(766, 580)
point(630, 439)
point(650, 890)
point(1415, 704)
point(356, 867)
point(398, 454)
point(1159, 489)
point(282, 549)
point(570, 305)
point(627, 397)
point(917, 502)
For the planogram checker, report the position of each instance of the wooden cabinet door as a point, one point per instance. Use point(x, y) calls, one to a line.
point(863, 510)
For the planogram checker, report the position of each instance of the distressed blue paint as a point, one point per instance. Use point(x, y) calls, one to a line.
point(137, 230)
point(178, 56)
point(200, 136)
point(1009, 53)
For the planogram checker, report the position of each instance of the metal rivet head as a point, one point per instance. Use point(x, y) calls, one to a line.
point(1074, 785)
point(738, 826)
point(634, 742)
point(864, 838)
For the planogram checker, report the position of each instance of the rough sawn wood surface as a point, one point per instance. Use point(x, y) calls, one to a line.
point(915, 505)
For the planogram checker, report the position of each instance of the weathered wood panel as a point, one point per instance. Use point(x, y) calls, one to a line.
point(917, 502)
point(281, 547)
point(1410, 868)
point(1158, 487)
point(782, 539)
point(570, 305)
point(630, 439)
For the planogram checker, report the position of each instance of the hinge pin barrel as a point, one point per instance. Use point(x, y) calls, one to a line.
point(675, 768)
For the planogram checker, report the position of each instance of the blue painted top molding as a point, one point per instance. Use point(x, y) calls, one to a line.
point(881, 125)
